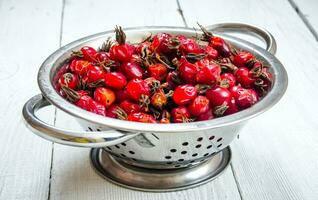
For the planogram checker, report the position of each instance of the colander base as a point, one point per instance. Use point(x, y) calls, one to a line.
point(158, 180)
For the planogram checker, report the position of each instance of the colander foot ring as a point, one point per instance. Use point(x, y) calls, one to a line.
point(158, 180)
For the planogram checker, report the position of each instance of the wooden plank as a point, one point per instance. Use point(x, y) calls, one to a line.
point(307, 10)
point(72, 176)
point(29, 32)
point(276, 156)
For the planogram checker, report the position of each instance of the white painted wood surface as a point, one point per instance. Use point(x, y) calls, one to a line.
point(25, 159)
point(309, 10)
point(276, 156)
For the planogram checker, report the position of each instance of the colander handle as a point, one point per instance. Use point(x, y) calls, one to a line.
point(261, 33)
point(68, 137)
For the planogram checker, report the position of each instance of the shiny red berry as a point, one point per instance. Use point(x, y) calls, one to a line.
point(227, 80)
point(211, 52)
point(187, 71)
point(94, 73)
point(232, 107)
point(221, 46)
point(89, 53)
point(104, 96)
point(188, 45)
point(208, 74)
point(87, 103)
point(121, 52)
point(132, 70)
point(68, 80)
point(247, 98)
point(206, 116)
point(180, 114)
point(218, 96)
point(184, 94)
point(141, 117)
point(137, 88)
point(158, 71)
point(243, 77)
point(79, 66)
point(102, 57)
point(242, 58)
point(130, 107)
point(199, 105)
point(159, 99)
point(115, 80)
point(160, 43)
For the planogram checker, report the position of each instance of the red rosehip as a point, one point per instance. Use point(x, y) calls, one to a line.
point(137, 88)
point(141, 46)
point(79, 66)
point(158, 71)
point(221, 46)
point(115, 80)
point(132, 70)
point(130, 107)
point(87, 103)
point(121, 52)
point(160, 43)
point(180, 114)
point(209, 74)
point(173, 79)
point(184, 94)
point(227, 80)
point(232, 107)
point(121, 95)
point(243, 77)
point(89, 53)
point(242, 58)
point(206, 116)
point(104, 96)
point(187, 45)
point(102, 57)
point(218, 96)
point(247, 98)
point(159, 99)
point(187, 72)
point(68, 80)
point(141, 117)
point(112, 111)
point(211, 52)
point(199, 106)
point(94, 73)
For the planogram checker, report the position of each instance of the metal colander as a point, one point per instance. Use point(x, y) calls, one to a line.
point(153, 146)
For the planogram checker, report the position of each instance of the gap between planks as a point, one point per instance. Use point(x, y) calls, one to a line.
point(304, 19)
point(55, 109)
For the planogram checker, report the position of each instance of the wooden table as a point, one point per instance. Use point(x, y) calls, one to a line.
point(275, 158)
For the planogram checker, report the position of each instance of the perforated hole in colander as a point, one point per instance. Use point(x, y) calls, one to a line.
point(173, 150)
point(90, 129)
point(117, 146)
point(219, 145)
point(185, 144)
point(123, 144)
point(183, 152)
point(109, 148)
point(168, 157)
point(208, 147)
point(131, 152)
point(200, 139)
point(198, 146)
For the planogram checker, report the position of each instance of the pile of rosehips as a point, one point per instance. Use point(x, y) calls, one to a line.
point(165, 78)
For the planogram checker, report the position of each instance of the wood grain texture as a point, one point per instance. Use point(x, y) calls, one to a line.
point(276, 156)
point(72, 175)
point(29, 32)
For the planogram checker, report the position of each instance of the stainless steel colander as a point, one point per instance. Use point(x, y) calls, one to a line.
point(152, 146)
